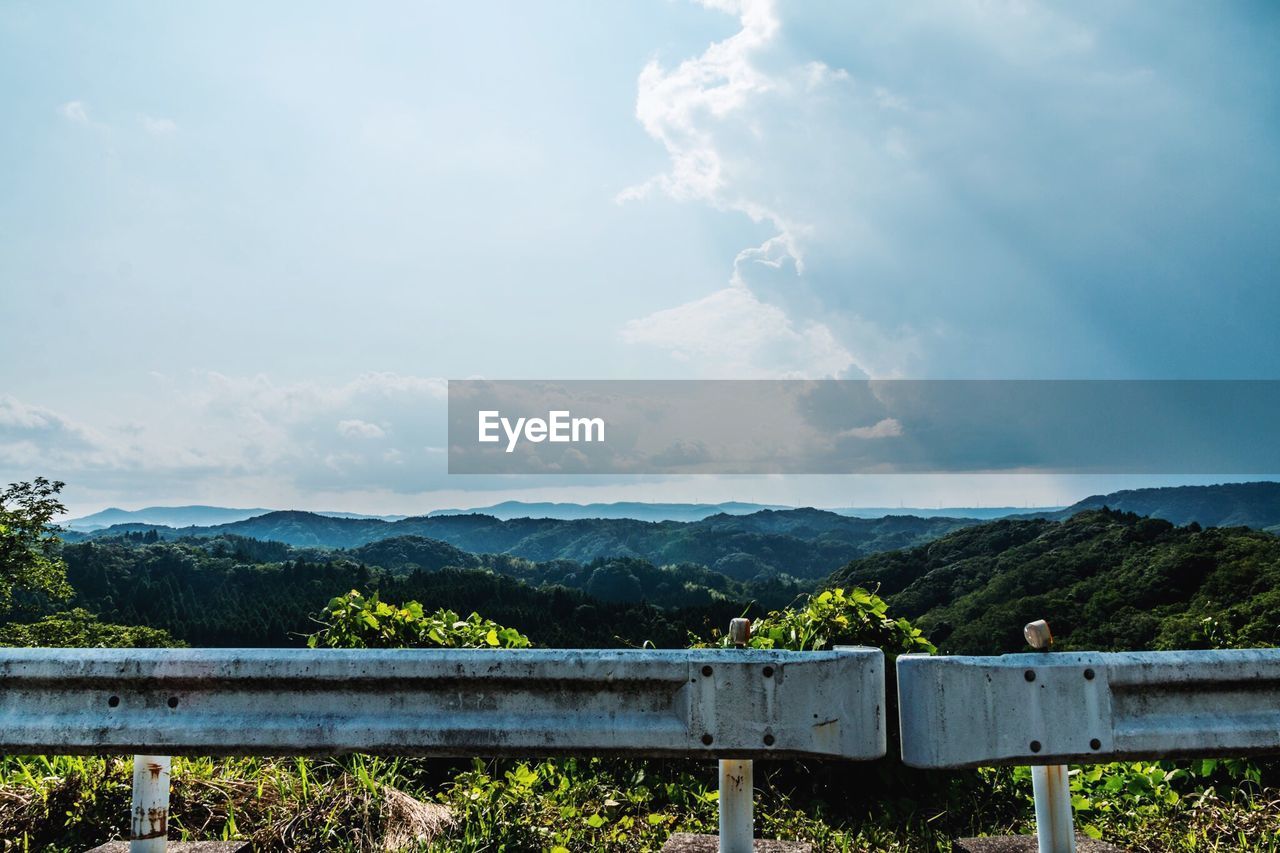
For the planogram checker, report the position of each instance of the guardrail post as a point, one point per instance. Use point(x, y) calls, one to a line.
point(736, 802)
point(1055, 832)
point(149, 829)
point(737, 783)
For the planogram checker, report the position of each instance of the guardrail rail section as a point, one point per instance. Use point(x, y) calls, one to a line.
point(1048, 709)
point(732, 704)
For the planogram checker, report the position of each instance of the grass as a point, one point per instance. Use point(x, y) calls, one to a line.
point(70, 803)
point(368, 803)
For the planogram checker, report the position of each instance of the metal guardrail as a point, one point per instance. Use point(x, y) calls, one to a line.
point(1041, 709)
point(1082, 708)
point(731, 704)
point(712, 702)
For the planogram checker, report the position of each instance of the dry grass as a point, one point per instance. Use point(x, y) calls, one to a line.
point(71, 803)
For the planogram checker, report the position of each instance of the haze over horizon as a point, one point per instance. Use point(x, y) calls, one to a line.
point(259, 242)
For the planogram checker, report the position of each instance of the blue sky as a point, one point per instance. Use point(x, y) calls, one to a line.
point(242, 244)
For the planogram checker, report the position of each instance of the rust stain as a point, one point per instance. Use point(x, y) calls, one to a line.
point(155, 819)
point(1052, 783)
point(154, 769)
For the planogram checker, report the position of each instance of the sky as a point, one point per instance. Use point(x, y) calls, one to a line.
point(242, 246)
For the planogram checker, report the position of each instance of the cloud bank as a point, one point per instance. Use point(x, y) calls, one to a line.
point(975, 188)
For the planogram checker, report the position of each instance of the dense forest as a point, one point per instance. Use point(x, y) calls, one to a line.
point(240, 592)
point(1104, 579)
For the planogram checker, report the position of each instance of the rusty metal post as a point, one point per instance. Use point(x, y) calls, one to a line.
point(149, 830)
point(737, 783)
point(1054, 830)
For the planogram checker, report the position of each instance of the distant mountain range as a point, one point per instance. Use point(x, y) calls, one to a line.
point(742, 542)
point(206, 516)
point(185, 516)
point(804, 543)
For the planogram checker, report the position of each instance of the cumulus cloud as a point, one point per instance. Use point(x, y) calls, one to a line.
point(951, 187)
point(689, 107)
point(695, 111)
point(732, 334)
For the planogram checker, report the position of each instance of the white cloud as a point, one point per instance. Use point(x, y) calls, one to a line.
point(224, 433)
point(884, 428)
point(714, 114)
point(732, 334)
point(356, 428)
point(22, 421)
point(258, 422)
point(687, 107)
point(75, 111)
point(945, 207)
point(159, 126)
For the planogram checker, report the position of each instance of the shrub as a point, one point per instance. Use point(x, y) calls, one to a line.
point(354, 621)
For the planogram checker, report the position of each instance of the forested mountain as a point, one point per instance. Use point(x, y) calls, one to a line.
point(217, 593)
point(408, 553)
point(805, 543)
point(1254, 505)
point(1103, 579)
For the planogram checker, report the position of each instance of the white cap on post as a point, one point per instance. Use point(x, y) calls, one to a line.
point(1038, 634)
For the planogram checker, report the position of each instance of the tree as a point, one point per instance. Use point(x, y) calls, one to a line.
point(82, 630)
point(29, 559)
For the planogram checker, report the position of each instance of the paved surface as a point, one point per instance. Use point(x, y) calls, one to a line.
point(687, 842)
point(179, 847)
point(1026, 844)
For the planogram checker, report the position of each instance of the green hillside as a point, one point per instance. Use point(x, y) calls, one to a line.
point(268, 592)
point(1103, 579)
point(1224, 505)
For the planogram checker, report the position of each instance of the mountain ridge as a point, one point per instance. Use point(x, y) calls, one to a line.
point(206, 515)
point(805, 543)
point(1104, 579)
point(1254, 504)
